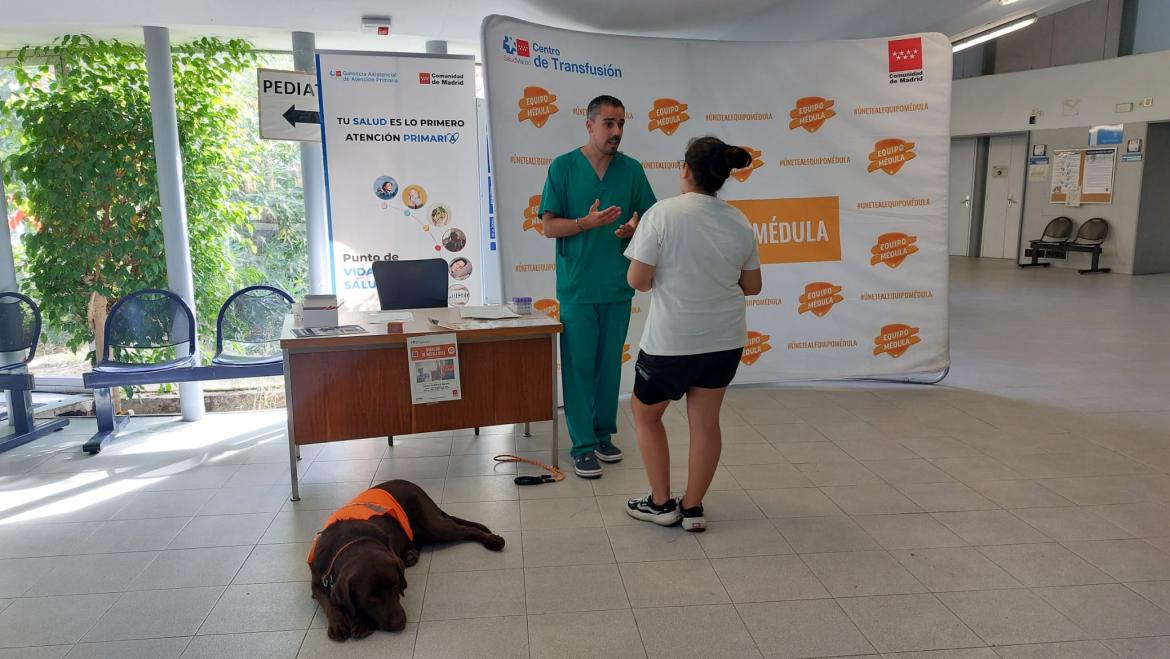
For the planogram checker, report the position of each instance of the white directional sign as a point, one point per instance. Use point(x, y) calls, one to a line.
point(288, 105)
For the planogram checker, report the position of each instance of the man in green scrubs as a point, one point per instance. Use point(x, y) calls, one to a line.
point(588, 190)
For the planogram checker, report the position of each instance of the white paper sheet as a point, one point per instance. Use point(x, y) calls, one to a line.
point(493, 312)
point(389, 316)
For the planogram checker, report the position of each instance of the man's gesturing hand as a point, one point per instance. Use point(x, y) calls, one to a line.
point(599, 218)
point(627, 230)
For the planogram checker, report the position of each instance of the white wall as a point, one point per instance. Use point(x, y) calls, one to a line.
point(1118, 250)
point(1002, 103)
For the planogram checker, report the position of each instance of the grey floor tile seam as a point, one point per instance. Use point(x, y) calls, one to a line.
point(974, 633)
point(1052, 541)
point(835, 603)
point(1031, 591)
point(190, 639)
point(1007, 510)
point(638, 627)
point(1129, 587)
point(212, 609)
point(427, 584)
point(524, 590)
point(828, 593)
point(217, 487)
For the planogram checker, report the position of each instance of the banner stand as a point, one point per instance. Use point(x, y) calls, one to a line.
point(846, 193)
point(399, 139)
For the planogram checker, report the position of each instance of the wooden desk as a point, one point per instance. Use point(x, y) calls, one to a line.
point(357, 386)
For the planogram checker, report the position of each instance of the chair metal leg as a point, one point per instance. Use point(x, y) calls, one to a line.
point(390, 440)
point(21, 415)
point(527, 429)
point(477, 431)
point(1096, 261)
point(109, 424)
point(22, 411)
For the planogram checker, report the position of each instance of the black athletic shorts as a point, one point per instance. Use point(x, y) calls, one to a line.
point(660, 378)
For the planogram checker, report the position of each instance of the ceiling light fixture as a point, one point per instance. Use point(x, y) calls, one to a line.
point(1007, 2)
point(993, 33)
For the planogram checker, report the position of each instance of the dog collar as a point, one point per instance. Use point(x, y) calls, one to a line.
point(327, 579)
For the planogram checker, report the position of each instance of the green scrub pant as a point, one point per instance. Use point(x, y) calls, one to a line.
point(591, 369)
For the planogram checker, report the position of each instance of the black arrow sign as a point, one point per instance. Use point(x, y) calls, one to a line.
point(295, 116)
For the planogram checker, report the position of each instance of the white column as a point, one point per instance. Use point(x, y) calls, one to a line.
point(312, 174)
point(7, 272)
point(168, 159)
point(7, 264)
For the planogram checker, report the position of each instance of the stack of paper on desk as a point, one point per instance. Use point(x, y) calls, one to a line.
point(389, 316)
point(492, 312)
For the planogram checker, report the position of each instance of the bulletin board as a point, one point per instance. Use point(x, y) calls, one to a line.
point(1088, 173)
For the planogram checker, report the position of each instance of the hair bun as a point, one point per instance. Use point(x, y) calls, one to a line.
point(737, 157)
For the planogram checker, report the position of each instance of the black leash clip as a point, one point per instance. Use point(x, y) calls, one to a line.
point(534, 480)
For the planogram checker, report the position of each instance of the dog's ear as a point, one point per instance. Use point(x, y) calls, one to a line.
point(340, 594)
point(400, 567)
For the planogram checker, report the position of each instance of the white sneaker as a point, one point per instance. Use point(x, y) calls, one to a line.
point(644, 509)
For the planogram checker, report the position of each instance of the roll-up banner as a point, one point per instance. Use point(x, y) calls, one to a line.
point(399, 137)
point(847, 192)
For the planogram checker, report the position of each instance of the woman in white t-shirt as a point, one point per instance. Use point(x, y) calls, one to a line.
point(698, 257)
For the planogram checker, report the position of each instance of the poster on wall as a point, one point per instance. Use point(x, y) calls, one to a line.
point(1083, 176)
point(847, 191)
point(401, 168)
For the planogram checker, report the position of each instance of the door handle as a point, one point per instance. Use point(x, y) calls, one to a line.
point(1011, 202)
point(966, 201)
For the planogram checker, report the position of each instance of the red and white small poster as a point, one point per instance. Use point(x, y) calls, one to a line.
point(433, 362)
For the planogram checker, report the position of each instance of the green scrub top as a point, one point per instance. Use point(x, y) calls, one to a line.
point(591, 267)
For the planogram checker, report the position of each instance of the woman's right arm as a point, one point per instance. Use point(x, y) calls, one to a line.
point(751, 281)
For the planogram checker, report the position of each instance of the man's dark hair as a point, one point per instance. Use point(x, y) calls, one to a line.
point(595, 105)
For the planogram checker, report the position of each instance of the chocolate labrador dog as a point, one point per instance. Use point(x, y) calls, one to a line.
point(359, 559)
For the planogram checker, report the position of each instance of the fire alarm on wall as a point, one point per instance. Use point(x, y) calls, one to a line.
point(379, 25)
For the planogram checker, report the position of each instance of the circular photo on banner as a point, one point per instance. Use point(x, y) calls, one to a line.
point(386, 188)
point(414, 197)
point(454, 240)
point(458, 295)
point(460, 268)
point(440, 215)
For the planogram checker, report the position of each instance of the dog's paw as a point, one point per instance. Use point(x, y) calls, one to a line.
point(410, 557)
point(362, 631)
point(338, 631)
point(494, 542)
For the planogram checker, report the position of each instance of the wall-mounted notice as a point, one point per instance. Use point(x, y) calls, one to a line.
point(1097, 176)
point(1089, 171)
point(434, 368)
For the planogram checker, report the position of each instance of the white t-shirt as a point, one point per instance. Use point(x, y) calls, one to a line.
point(698, 246)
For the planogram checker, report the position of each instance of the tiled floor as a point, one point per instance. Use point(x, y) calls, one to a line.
point(1019, 509)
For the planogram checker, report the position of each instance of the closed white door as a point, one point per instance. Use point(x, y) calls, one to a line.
point(961, 195)
point(1007, 158)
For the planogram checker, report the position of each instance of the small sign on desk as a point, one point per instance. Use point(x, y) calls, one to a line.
point(434, 368)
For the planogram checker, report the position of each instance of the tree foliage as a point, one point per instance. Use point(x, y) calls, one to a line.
point(85, 169)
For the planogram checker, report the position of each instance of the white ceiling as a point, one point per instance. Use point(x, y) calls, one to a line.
point(267, 23)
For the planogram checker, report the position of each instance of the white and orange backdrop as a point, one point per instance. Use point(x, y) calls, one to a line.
point(847, 190)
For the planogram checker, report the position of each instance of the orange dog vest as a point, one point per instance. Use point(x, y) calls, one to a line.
point(374, 502)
